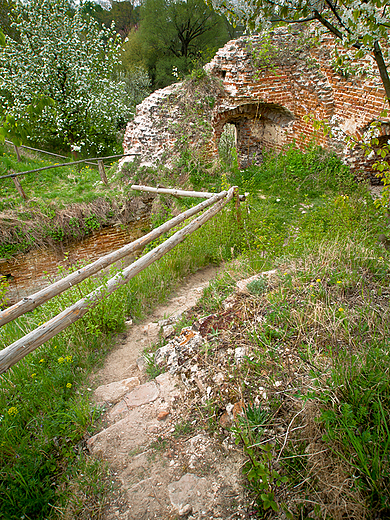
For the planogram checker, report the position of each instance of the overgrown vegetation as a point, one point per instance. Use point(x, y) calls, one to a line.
point(43, 422)
point(313, 383)
point(63, 204)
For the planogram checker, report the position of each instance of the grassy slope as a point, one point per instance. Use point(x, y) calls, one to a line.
point(63, 203)
point(319, 230)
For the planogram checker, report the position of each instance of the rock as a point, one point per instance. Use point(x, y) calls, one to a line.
point(141, 363)
point(151, 329)
point(112, 392)
point(190, 494)
point(238, 408)
point(225, 421)
point(162, 415)
point(128, 324)
point(167, 331)
point(144, 394)
point(239, 355)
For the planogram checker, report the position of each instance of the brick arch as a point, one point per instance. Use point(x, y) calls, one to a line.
point(259, 126)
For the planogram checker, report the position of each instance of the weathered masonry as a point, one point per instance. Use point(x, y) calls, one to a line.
point(270, 90)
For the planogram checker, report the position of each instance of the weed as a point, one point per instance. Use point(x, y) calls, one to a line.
point(258, 286)
point(259, 470)
point(183, 428)
point(152, 369)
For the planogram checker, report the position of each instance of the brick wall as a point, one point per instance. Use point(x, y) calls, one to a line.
point(268, 102)
point(25, 271)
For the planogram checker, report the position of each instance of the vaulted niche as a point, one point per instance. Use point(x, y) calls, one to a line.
point(258, 127)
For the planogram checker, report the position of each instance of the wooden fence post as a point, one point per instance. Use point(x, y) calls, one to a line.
point(102, 172)
point(17, 153)
point(18, 186)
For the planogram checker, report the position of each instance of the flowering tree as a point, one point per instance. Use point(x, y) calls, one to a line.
point(70, 59)
point(360, 25)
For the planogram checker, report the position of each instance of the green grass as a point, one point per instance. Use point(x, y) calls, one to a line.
point(57, 187)
point(304, 217)
point(44, 402)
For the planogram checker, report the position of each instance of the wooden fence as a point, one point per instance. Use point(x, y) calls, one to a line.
point(100, 164)
point(20, 348)
point(17, 151)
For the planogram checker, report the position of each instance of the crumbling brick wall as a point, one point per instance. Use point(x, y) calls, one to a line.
point(270, 98)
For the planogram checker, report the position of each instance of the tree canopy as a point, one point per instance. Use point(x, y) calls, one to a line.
point(360, 25)
point(70, 59)
point(173, 35)
point(124, 14)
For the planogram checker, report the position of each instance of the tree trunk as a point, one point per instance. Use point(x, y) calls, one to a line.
point(382, 69)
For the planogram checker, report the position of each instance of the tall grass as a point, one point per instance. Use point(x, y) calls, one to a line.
point(304, 217)
point(44, 401)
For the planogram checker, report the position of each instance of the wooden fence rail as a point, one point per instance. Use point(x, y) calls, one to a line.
point(16, 174)
point(36, 150)
point(177, 193)
point(35, 300)
point(20, 348)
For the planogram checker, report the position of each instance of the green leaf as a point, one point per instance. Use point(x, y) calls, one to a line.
point(2, 40)
point(367, 39)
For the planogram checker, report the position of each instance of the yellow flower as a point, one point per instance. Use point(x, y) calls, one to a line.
point(33, 375)
point(338, 281)
point(41, 360)
point(61, 359)
point(69, 385)
point(68, 359)
point(13, 411)
point(318, 279)
point(341, 309)
point(311, 285)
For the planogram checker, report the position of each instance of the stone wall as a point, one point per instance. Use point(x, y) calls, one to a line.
point(267, 98)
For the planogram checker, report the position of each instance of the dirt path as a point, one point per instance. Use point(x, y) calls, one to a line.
point(164, 467)
point(121, 363)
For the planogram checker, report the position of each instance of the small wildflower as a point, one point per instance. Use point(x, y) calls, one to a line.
point(55, 346)
point(341, 309)
point(69, 385)
point(68, 359)
point(41, 360)
point(311, 285)
point(318, 279)
point(338, 281)
point(33, 375)
point(12, 411)
point(61, 359)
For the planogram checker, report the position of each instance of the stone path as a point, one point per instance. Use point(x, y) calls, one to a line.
point(161, 469)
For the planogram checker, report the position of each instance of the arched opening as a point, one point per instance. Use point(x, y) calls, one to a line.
point(227, 145)
point(258, 127)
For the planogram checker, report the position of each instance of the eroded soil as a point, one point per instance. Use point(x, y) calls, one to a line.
point(164, 463)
